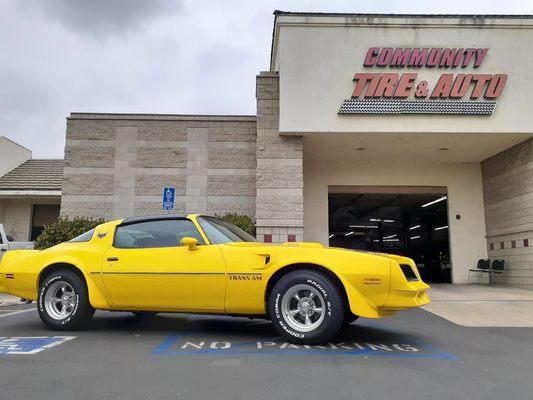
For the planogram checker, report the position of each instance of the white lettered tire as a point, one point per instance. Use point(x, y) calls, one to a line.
point(63, 302)
point(306, 307)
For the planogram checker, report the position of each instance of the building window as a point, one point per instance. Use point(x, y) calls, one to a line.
point(492, 246)
point(268, 238)
point(502, 245)
point(43, 215)
point(526, 242)
point(291, 238)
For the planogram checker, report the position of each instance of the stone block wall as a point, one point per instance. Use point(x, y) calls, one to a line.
point(508, 197)
point(116, 165)
point(279, 179)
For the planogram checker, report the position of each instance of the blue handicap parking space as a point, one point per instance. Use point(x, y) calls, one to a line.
point(238, 337)
point(178, 344)
point(30, 345)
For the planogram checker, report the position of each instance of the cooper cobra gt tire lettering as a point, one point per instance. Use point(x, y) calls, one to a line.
point(63, 303)
point(306, 307)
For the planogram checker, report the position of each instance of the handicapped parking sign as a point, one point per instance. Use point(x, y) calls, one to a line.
point(169, 195)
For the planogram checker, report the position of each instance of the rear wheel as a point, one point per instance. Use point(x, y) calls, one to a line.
point(306, 307)
point(63, 302)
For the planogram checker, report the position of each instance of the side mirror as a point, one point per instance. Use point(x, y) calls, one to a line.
point(191, 242)
point(10, 238)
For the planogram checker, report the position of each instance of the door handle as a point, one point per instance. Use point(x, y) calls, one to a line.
point(3, 249)
point(112, 258)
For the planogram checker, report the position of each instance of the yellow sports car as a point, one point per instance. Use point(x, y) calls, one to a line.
point(202, 264)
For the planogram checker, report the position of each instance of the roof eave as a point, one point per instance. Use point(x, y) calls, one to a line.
point(4, 193)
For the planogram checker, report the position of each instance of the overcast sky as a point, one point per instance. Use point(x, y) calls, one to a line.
point(151, 56)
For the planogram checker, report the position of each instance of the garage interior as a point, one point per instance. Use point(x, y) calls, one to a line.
point(408, 221)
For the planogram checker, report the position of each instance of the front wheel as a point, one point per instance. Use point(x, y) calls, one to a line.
point(64, 302)
point(306, 307)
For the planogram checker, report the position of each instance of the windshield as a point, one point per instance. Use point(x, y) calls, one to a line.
point(220, 231)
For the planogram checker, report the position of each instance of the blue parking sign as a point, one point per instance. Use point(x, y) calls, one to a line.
point(169, 194)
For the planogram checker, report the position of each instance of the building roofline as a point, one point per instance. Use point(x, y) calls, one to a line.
point(34, 175)
point(18, 144)
point(4, 193)
point(159, 117)
point(298, 18)
point(385, 15)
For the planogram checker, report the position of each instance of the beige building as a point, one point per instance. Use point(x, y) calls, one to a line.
point(405, 134)
point(30, 191)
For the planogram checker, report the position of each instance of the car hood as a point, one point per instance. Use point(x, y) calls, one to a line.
point(286, 244)
point(317, 245)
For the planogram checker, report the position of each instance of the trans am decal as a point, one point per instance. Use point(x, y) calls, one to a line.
point(245, 276)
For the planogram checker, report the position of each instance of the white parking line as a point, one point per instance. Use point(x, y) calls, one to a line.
point(16, 312)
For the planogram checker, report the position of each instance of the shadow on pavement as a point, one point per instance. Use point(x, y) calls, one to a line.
point(235, 328)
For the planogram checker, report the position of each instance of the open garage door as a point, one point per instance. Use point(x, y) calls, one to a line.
point(410, 221)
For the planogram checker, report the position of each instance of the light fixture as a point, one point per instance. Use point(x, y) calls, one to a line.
point(389, 220)
point(434, 201)
point(389, 237)
point(391, 240)
point(330, 236)
point(441, 228)
point(349, 233)
point(381, 220)
point(364, 226)
point(415, 237)
point(414, 227)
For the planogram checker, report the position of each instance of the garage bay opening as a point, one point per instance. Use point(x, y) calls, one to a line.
point(409, 221)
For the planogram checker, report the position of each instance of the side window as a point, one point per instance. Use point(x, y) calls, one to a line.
point(150, 234)
point(84, 237)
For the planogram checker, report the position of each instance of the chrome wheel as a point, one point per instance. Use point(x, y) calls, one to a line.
point(303, 308)
point(60, 300)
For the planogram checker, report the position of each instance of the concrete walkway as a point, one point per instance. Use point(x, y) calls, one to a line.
point(482, 306)
point(7, 300)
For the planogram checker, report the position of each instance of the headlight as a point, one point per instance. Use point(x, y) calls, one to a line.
point(408, 272)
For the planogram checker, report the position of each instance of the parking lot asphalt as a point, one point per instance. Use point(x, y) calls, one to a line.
point(414, 355)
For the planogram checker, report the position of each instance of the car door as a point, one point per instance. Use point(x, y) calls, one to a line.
point(147, 269)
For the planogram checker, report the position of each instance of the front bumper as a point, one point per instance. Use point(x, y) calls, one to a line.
point(408, 297)
point(407, 288)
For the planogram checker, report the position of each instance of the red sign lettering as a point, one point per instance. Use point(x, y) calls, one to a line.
point(448, 86)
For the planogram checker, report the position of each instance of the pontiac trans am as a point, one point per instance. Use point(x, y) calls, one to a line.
point(202, 264)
